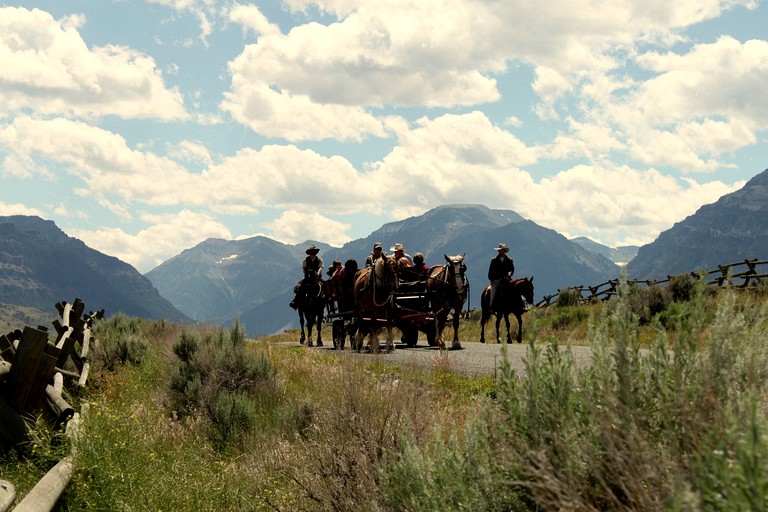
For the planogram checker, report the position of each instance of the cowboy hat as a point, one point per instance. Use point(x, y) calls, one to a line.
point(502, 248)
point(312, 250)
point(397, 247)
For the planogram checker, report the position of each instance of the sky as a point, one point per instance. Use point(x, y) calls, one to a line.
point(143, 128)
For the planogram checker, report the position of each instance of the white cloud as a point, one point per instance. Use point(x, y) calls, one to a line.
point(47, 68)
point(453, 159)
point(287, 177)
point(203, 10)
point(103, 163)
point(295, 117)
point(620, 205)
point(725, 78)
point(697, 106)
point(293, 227)
point(7, 209)
point(250, 17)
point(166, 235)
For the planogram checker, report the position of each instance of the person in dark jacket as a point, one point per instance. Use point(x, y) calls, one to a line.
point(376, 253)
point(312, 267)
point(501, 267)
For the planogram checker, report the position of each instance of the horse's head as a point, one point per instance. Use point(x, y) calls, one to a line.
point(526, 289)
point(455, 270)
point(387, 271)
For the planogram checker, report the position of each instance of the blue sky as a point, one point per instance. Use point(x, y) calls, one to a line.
point(144, 128)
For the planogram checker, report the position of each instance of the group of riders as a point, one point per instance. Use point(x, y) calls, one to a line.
point(412, 269)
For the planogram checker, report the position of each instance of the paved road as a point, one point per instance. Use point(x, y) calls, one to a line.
point(474, 358)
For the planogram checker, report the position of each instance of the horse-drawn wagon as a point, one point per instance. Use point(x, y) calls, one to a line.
point(388, 296)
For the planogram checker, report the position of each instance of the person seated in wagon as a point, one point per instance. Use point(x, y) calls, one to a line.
point(376, 253)
point(398, 251)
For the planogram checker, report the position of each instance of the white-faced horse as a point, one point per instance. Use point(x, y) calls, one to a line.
point(447, 288)
point(374, 301)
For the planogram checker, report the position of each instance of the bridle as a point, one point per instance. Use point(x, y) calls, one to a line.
point(388, 266)
point(453, 280)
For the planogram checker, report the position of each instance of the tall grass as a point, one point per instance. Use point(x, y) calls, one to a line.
point(678, 426)
point(669, 415)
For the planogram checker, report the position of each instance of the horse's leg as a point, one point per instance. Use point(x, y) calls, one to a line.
point(310, 326)
point(301, 323)
point(483, 319)
point(509, 336)
point(440, 321)
point(456, 318)
point(357, 344)
point(498, 323)
point(390, 337)
point(373, 339)
point(519, 327)
point(320, 329)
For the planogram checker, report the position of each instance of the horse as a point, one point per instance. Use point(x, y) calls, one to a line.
point(373, 292)
point(447, 288)
point(509, 299)
point(341, 303)
point(310, 303)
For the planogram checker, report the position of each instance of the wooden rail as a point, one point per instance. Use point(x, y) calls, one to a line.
point(730, 275)
point(33, 373)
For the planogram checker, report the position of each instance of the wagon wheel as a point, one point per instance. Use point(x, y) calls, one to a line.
point(431, 332)
point(410, 335)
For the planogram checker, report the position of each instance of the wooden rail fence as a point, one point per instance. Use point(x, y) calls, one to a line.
point(34, 367)
point(730, 275)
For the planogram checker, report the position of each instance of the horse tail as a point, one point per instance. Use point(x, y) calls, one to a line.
point(485, 305)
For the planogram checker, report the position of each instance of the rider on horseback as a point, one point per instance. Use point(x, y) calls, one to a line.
point(502, 267)
point(312, 266)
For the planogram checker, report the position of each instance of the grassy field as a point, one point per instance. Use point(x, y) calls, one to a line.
point(16, 317)
point(204, 419)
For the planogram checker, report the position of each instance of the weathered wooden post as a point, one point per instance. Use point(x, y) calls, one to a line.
point(7, 495)
point(46, 493)
point(24, 369)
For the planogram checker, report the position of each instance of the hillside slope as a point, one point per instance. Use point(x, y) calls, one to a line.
point(253, 279)
point(40, 265)
point(729, 230)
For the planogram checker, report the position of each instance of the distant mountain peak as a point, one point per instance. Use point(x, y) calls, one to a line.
point(729, 230)
point(45, 266)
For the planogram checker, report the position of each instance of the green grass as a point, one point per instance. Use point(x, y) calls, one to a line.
point(636, 430)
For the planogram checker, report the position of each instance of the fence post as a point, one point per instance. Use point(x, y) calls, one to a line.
point(7, 495)
point(46, 493)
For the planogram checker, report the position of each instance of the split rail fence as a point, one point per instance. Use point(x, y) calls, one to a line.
point(35, 364)
point(741, 274)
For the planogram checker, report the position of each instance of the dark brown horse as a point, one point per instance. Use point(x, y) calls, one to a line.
point(374, 301)
point(447, 287)
point(310, 303)
point(510, 298)
point(340, 292)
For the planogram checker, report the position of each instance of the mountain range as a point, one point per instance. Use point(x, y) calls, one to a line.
point(40, 265)
point(253, 279)
point(729, 230)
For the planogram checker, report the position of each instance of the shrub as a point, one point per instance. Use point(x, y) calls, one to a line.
point(120, 340)
point(681, 287)
point(679, 426)
point(645, 303)
point(218, 377)
point(568, 297)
